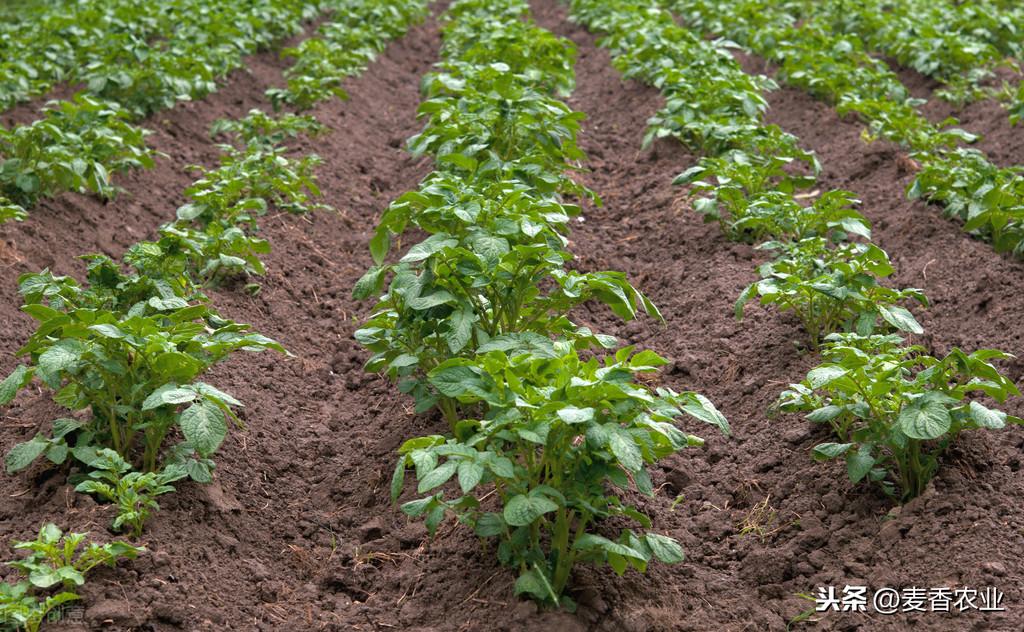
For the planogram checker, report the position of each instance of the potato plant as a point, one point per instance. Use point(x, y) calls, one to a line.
point(558, 437)
point(74, 147)
point(128, 350)
point(112, 479)
point(832, 288)
point(894, 409)
point(213, 239)
point(493, 265)
point(54, 561)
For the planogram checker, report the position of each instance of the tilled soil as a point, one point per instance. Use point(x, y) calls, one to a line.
point(298, 532)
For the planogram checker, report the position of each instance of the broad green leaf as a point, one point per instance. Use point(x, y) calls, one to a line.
point(14, 382)
point(437, 476)
point(522, 510)
point(460, 329)
point(824, 375)
point(986, 417)
point(168, 395)
point(470, 474)
point(23, 454)
point(204, 427)
point(900, 318)
point(573, 415)
point(626, 451)
point(830, 450)
point(665, 548)
point(429, 246)
point(859, 464)
point(370, 283)
point(490, 525)
point(924, 419)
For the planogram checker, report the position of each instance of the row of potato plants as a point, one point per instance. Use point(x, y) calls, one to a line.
point(80, 142)
point(142, 55)
point(134, 59)
point(892, 407)
point(126, 352)
point(548, 424)
point(960, 45)
point(837, 67)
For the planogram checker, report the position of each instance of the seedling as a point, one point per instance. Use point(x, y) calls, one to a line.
point(894, 409)
point(134, 493)
point(54, 561)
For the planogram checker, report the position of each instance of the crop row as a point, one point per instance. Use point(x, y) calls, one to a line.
point(80, 142)
point(959, 44)
point(892, 407)
point(142, 55)
point(989, 199)
point(126, 350)
point(475, 320)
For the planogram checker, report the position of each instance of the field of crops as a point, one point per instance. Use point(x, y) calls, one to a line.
point(399, 315)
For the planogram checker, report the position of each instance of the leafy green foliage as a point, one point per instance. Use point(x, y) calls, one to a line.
point(474, 319)
point(54, 560)
point(753, 197)
point(10, 211)
point(835, 65)
point(134, 493)
point(558, 438)
point(356, 32)
point(894, 409)
point(494, 264)
point(214, 237)
point(947, 41)
point(829, 288)
point(145, 56)
point(74, 147)
point(129, 349)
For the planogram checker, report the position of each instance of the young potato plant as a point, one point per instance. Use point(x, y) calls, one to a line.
point(895, 409)
point(113, 480)
point(545, 60)
point(558, 438)
point(213, 238)
point(484, 118)
point(753, 195)
point(986, 197)
point(494, 264)
point(129, 350)
point(832, 288)
point(262, 129)
point(54, 561)
point(74, 147)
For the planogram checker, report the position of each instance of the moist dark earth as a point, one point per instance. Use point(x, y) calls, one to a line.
point(297, 532)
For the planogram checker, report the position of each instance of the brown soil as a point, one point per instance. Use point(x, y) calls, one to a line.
point(298, 533)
